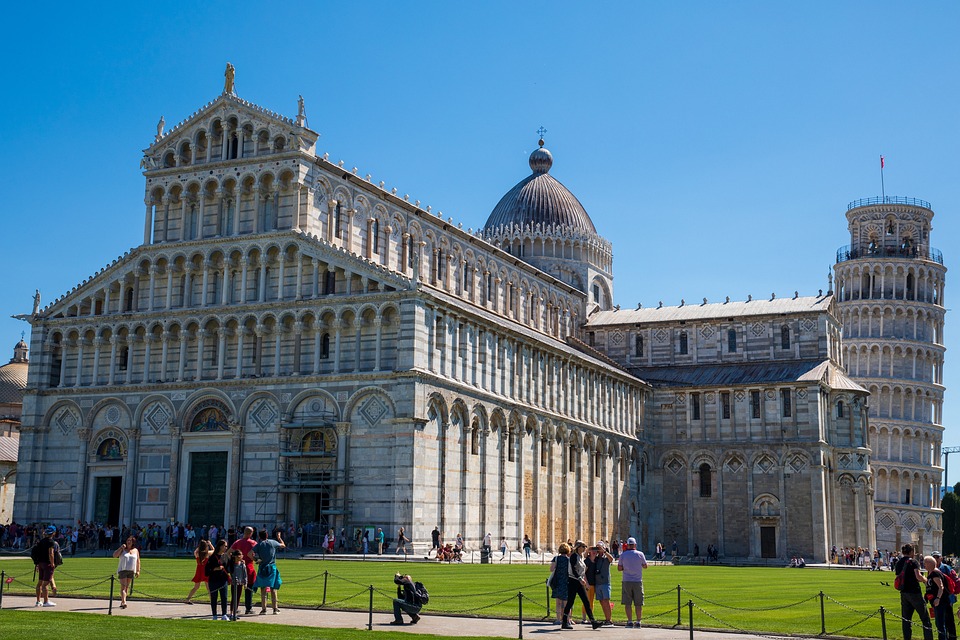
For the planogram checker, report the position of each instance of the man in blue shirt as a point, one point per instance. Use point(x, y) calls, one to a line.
point(632, 563)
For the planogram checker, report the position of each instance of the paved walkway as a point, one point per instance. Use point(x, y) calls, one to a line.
point(449, 626)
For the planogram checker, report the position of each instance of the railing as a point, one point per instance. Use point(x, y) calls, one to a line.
point(864, 202)
point(913, 253)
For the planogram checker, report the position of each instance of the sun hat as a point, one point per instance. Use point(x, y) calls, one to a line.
point(632, 541)
point(50, 530)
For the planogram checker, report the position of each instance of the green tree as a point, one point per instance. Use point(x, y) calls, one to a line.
point(951, 521)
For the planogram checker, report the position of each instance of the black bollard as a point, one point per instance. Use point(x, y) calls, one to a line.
point(520, 613)
point(690, 606)
point(110, 602)
point(883, 622)
point(3, 581)
point(325, 574)
point(823, 618)
point(370, 620)
point(548, 602)
point(679, 605)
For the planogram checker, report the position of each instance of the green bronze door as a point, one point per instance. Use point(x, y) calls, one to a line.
point(208, 488)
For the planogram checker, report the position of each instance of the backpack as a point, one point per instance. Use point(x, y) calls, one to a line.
point(37, 554)
point(422, 596)
point(898, 581)
point(951, 581)
point(57, 556)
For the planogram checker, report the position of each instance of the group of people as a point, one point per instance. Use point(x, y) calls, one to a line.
point(934, 593)
point(861, 557)
point(584, 572)
point(245, 566)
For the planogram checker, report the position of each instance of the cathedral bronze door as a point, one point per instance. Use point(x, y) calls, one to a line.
point(768, 542)
point(208, 488)
point(106, 505)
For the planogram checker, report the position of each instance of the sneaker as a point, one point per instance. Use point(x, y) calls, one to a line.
point(224, 617)
point(415, 619)
point(629, 625)
point(566, 625)
point(596, 624)
point(608, 623)
point(397, 622)
point(49, 604)
point(40, 604)
point(583, 620)
point(216, 617)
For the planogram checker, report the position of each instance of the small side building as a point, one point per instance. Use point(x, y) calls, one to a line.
point(13, 380)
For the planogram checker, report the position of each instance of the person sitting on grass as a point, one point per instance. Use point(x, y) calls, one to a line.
point(407, 600)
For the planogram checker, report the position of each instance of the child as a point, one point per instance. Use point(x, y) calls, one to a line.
point(237, 569)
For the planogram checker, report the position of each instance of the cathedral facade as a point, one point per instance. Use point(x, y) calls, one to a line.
point(293, 342)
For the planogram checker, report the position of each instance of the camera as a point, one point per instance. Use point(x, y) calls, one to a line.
point(398, 579)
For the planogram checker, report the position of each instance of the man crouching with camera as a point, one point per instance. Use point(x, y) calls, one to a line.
point(407, 601)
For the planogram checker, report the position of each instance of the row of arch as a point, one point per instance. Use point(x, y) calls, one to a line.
point(905, 444)
point(911, 488)
point(904, 323)
point(914, 364)
point(903, 402)
point(884, 281)
point(228, 137)
point(310, 342)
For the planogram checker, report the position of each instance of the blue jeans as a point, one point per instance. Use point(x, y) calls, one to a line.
point(402, 606)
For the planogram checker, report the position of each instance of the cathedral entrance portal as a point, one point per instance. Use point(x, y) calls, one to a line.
point(208, 488)
point(106, 501)
point(768, 542)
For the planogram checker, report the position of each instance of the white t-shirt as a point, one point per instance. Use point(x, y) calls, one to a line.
point(128, 560)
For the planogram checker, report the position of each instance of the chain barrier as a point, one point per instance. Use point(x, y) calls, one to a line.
point(488, 593)
point(489, 606)
point(359, 584)
point(671, 612)
point(89, 586)
point(662, 593)
point(734, 627)
point(758, 609)
point(850, 626)
point(75, 577)
point(359, 593)
point(298, 580)
point(539, 605)
point(911, 622)
point(157, 575)
point(847, 607)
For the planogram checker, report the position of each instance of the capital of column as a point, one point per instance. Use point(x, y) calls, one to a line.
point(84, 433)
point(343, 428)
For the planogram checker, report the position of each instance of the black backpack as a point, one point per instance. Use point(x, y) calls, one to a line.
point(37, 554)
point(422, 596)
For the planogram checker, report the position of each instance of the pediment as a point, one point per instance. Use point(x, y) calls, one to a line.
point(186, 144)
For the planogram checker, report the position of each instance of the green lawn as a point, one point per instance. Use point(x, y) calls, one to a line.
point(80, 626)
point(724, 597)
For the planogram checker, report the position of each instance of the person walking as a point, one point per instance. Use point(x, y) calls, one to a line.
point(576, 586)
point(503, 547)
point(268, 576)
point(245, 546)
point(200, 554)
point(911, 598)
point(128, 567)
point(217, 580)
point(632, 563)
point(435, 539)
point(43, 559)
point(407, 601)
point(402, 541)
point(559, 568)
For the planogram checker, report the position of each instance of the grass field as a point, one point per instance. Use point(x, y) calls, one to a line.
point(79, 626)
point(755, 599)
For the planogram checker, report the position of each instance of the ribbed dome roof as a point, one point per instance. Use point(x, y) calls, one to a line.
point(540, 199)
point(13, 380)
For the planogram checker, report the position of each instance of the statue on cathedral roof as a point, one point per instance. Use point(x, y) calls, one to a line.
point(160, 125)
point(36, 302)
point(228, 76)
point(301, 112)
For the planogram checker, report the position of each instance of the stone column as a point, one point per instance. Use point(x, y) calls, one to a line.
point(147, 340)
point(241, 330)
point(298, 262)
point(169, 297)
point(131, 341)
point(172, 500)
point(378, 327)
point(336, 347)
point(80, 344)
point(331, 222)
point(244, 263)
point(147, 222)
point(278, 337)
point(297, 346)
point(164, 354)
point(205, 282)
point(182, 362)
point(95, 374)
point(236, 444)
point(221, 351)
point(63, 363)
point(262, 292)
point(112, 369)
point(201, 339)
point(317, 340)
point(130, 481)
point(316, 277)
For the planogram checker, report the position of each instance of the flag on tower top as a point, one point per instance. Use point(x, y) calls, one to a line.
point(881, 162)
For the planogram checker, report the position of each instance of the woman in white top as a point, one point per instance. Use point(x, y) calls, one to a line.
point(128, 568)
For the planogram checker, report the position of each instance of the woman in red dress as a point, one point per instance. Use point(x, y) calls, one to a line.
point(201, 553)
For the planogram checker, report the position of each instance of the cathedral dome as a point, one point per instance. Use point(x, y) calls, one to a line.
point(540, 199)
point(13, 376)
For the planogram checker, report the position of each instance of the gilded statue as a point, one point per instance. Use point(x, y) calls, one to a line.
point(228, 76)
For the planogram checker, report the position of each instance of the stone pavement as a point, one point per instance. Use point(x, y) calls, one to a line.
point(449, 626)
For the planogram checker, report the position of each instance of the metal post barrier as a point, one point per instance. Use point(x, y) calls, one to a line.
point(690, 606)
point(548, 601)
point(679, 606)
point(3, 581)
point(823, 618)
point(325, 574)
point(520, 613)
point(883, 622)
point(370, 619)
point(110, 602)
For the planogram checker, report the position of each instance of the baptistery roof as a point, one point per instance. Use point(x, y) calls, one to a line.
point(540, 199)
point(13, 376)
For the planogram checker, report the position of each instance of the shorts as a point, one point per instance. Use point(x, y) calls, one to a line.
point(603, 591)
point(45, 571)
point(125, 575)
point(632, 593)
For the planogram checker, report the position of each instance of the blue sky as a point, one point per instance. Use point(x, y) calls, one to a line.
point(716, 144)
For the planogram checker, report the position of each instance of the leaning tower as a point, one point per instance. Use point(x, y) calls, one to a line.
point(889, 293)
